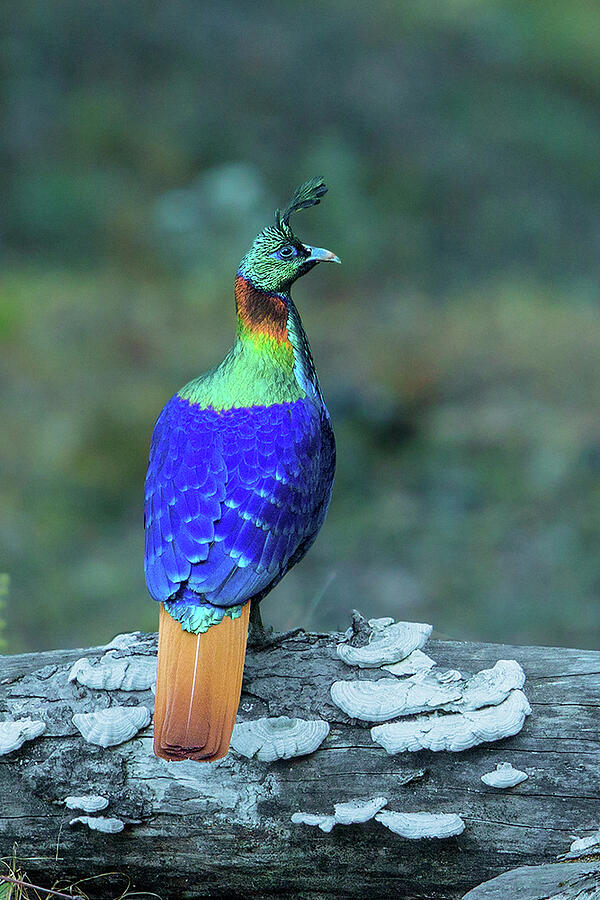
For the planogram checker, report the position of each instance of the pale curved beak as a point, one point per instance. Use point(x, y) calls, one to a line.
point(318, 254)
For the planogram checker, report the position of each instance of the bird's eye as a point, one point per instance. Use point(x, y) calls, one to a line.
point(287, 252)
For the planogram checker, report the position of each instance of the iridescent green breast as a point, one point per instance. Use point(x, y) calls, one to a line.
point(269, 363)
point(248, 376)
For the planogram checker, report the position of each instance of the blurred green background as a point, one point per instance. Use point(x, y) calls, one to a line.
point(144, 144)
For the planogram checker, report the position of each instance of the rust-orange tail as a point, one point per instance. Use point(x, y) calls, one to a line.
point(198, 687)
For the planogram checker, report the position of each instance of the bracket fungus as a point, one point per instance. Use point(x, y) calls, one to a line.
point(325, 823)
point(491, 686)
point(351, 812)
point(128, 673)
point(124, 641)
point(87, 802)
point(99, 823)
point(388, 643)
point(112, 726)
point(269, 739)
point(388, 698)
point(581, 847)
point(14, 733)
point(415, 826)
point(380, 623)
point(448, 675)
point(415, 662)
point(378, 701)
point(455, 731)
point(504, 776)
point(356, 811)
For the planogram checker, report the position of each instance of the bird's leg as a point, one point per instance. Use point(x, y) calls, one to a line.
point(260, 638)
point(256, 630)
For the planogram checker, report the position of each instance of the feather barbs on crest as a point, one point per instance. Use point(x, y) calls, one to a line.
point(307, 194)
point(277, 258)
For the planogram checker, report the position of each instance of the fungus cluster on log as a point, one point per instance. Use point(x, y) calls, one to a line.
point(300, 752)
point(450, 713)
point(443, 711)
point(389, 642)
point(440, 711)
point(413, 826)
point(14, 733)
point(112, 726)
point(377, 701)
point(278, 738)
point(457, 731)
point(100, 823)
point(113, 672)
point(118, 670)
point(350, 812)
point(87, 802)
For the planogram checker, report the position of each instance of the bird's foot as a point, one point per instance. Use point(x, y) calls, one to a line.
point(261, 638)
point(266, 639)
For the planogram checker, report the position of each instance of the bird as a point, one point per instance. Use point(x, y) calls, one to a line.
point(239, 481)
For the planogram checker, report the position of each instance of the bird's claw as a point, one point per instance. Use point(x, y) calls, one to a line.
point(267, 639)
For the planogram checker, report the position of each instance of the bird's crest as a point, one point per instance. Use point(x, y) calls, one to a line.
point(308, 194)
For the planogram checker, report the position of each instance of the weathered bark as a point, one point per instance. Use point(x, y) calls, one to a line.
point(553, 881)
point(199, 829)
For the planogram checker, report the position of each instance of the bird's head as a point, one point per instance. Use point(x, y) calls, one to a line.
point(277, 257)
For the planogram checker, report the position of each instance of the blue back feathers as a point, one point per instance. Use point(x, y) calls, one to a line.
point(232, 497)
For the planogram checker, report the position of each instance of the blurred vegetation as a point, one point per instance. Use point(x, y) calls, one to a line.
point(145, 143)
point(4, 585)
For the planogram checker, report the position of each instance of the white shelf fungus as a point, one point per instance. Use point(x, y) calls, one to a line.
point(381, 623)
point(455, 731)
point(87, 802)
point(350, 812)
point(109, 727)
point(491, 686)
point(388, 698)
point(13, 734)
point(130, 673)
point(99, 823)
point(356, 811)
point(504, 776)
point(387, 644)
point(415, 662)
point(415, 826)
point(378, 701)
point(585, 846)
point(325, 823)
point(448, 675)
point(124, 641)
point(278, 738)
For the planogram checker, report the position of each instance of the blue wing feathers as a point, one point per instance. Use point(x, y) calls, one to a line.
point(231, 496)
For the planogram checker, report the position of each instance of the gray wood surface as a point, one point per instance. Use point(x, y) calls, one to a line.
point(224, 830)
point(552, 881)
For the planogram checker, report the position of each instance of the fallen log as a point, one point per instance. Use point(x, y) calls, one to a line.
point(225, 829)
point(551, 881)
